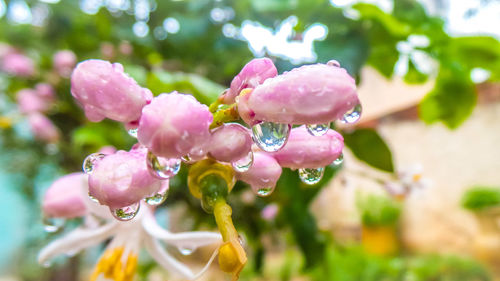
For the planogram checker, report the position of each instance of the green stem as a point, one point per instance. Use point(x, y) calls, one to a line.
point(222, 213)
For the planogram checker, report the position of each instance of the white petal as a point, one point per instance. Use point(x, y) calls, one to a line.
point(207, 266)
point(75, 241)
point(161, 256)
point(191, 240)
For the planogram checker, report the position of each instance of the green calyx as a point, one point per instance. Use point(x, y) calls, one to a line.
point(213, 187)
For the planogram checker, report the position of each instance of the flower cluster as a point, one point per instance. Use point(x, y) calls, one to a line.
point(172, 128)
point(34, 103)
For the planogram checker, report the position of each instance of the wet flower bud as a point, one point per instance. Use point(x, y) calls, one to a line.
point(18, 65)
point(253, 73)
point(263, 174)
point(64, 61)
point(122, 179)
point(304, 150)
point(42, 128)
point(310, 94)
point(29, 101)
point(65, 197)
point(174, 125)
point(230, 142)
point(105, 91)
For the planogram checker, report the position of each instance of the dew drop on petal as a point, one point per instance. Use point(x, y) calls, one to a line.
point(242, 165)
point(186, 159)
point(311, 176)
point(339, 160)
point(90, 161)
point(133, 132)
point(264, 191)
point(333, 63)
point(269, 136)
point(353, 115)
point(126, 213)
point(185, 251)
point(93, 198)
point(52, 225)
point(318, 129)
point(157, 198)
point(161, 167)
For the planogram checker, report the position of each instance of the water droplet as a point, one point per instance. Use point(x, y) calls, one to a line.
point(126, 213)
point(353, 115)
point(186, 159)
point(264, 191)
point(244, 163)
point(93, 198)
point(269, 136)
point(242, 240)
point(52, 225)
point(318, 129)
point(333, 63)
point(161, 167)
point(90, 161)
point(157, 199)
point(47, 264)
point(133, 132)
point(311, 176)
point(185, 251)
point(339, 160)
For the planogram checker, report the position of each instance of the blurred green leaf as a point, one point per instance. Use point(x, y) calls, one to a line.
point(479, 198)
point(390, 23)
point(377, 210)
point(93, 136)
point(413, 76)
point(452, 99)
point(369, 147)
point(201, 88)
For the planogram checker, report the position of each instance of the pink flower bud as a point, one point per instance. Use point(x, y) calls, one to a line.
point(42, 128)
point(45, 91)
point(18, 65)
point(122, 179)
point(29, 101)
point(104, 90)
point(107, 50)
point(310, 94)
point(64, 62)
point(126, 48)
point(65, 197)
point(108, 149)
point(264, 172)
point(306, 151)
point(269, 212)
point(253, 73)
point(173, 125)
point(230, 142)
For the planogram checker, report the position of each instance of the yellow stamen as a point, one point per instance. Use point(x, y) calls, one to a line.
point(416, 177)
point(111, 266)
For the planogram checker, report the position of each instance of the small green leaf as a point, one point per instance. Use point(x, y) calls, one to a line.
point(202, 89)
point(369, 147)
point(452, 99)
point(390, 23)
point(480, 198)
point(413, 76)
